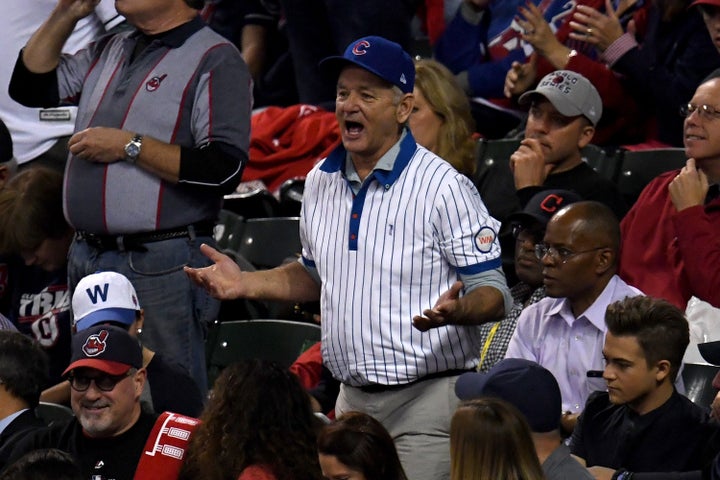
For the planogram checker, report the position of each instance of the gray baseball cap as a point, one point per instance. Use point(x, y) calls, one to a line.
point(570, 93)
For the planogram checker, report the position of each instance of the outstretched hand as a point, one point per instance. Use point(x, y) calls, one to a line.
point(222, 279)
point(444, 311)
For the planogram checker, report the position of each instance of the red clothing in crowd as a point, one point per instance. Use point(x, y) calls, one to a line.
point(287, 142)
point(670, 254)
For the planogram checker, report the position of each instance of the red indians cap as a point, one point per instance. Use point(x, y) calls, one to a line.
point(106, 348)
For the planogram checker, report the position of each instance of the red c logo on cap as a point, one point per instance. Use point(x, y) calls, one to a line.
point(552, 203)
point(360, 47)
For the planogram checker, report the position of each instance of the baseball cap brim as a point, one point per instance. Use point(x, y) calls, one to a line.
point(470, 385)
point(106, 366)
point(525, 218)
point(125, 316)
point(710, 351)
point(558, 100)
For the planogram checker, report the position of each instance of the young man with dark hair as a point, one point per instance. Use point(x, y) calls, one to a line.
point(642, 424)
point(23, 374)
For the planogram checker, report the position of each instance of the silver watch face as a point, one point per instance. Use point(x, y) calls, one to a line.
point(132, 149)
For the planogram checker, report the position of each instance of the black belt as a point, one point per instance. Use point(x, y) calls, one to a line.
point(378, 388)
point(136, 241)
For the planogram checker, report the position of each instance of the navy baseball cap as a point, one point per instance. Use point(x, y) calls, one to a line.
point(543, 205)
point(106, 348)
point(528, 386)
point(379, 56)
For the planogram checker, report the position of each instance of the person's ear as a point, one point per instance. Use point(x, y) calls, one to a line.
point(4, 175)
point(662, 370)
point(586, 135)
point(404, 108)
point(606, 259)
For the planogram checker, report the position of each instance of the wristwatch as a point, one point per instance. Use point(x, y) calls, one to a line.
point(132, 149)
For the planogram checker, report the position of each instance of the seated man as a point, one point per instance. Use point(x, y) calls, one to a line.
point(108, 298)
point(23, 373)
point(641, 423)
point(565, 332)
point(528, 228)
point(564, 111)
point(511, 380)
point(110, 436)
point(671, 236)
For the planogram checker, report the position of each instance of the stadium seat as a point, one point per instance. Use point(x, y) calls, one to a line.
point(227, 231)
point(698, 379)
point(269, 242)
point(51, 413)
point(254, 203)
point(639, 167)
point(291, 195)
point(281, 341)
point(604, 163)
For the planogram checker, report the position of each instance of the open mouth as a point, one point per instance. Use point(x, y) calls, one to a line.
point(353, 129)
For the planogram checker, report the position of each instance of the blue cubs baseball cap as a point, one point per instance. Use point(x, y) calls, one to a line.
point(512, 380)
point(379, 56)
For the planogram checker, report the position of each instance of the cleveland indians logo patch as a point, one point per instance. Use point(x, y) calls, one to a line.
point(154, 83)
point(95, 344)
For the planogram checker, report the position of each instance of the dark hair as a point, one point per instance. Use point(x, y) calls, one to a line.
point(361, 443)
point(31, 210)
point(43, 464)
point(24, 367)
point(660, 328)
point(257, 414)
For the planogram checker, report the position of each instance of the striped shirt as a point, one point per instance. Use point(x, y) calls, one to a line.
point(188, 88)
point(385, 254)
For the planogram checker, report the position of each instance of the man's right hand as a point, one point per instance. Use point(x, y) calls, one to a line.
point(222, 279)
point(77, 9)
point(528, 164)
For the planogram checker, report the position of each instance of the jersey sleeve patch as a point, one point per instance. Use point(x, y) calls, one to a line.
point(484, 239)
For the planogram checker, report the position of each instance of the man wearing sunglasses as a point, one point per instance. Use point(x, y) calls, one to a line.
point(110, 436)
point(565, 331)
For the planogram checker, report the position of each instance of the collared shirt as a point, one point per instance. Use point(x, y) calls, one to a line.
point(384, 254)
point(9, 419)
point(549, 334)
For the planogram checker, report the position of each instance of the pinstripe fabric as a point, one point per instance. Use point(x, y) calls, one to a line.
point(387, 254)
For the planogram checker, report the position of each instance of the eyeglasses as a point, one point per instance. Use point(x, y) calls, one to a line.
point(705, 111)
point(104, 382)
point(535, 233)
point(559, 254)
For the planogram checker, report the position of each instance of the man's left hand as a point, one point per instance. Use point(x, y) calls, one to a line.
point(99, 144)
point(444, 311)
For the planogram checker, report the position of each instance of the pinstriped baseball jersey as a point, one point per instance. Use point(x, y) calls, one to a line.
point(385, 255)
point(188, 89)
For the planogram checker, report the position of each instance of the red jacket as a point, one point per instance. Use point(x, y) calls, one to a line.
point(670, 254)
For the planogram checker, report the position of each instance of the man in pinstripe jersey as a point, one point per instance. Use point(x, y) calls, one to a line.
point(402, 254)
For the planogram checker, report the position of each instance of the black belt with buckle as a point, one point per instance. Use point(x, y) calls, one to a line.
point(378, 388)
point(136, 241)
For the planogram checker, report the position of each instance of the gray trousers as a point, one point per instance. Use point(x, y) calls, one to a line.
point(417, 417)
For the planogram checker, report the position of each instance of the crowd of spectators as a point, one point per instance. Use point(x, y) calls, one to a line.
point(456, 343)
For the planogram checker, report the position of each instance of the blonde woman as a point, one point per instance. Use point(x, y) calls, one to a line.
point(489, 440)
point(441, 120)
